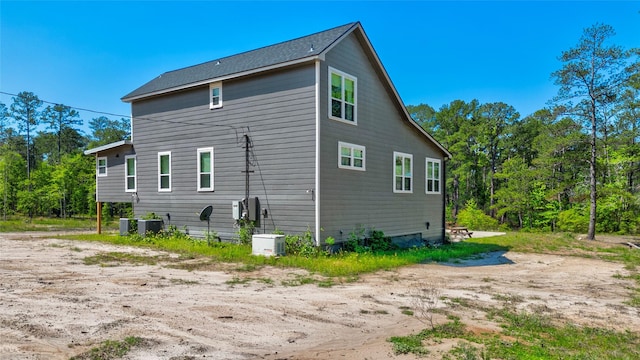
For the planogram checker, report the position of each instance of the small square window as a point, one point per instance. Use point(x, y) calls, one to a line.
point(351, 156)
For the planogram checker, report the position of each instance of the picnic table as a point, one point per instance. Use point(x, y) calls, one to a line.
point(460, 231)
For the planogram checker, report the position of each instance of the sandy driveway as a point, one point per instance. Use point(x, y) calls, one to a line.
point(53, 306)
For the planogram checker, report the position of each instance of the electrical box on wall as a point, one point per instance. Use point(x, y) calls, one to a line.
point(252, 212)
point(236, 210)
point(254, 209)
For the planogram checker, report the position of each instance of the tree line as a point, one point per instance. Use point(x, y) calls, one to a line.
point(572, 166)
point(43, 171)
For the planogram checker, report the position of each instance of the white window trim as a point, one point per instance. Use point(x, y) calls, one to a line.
point(426, 174)
point(98, 166)
point(160, 154)
point(211, 87)
point(126, 173)
point(355, 96)
point(403, 155)
point(199, 171)
point(352, 147)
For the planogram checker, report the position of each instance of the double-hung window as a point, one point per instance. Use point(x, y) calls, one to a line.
point(130, 173)
point(403, 172)
point(433, 176)
point(205, 169)
point(342, 96)
point(101, 166)
point(164, 171)
point(351, 156)
point(215, 95)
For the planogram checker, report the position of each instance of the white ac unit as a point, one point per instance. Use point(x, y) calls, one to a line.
point(267, 244)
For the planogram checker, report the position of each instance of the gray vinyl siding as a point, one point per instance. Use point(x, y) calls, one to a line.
point(277, 111)
point(348, 198)
point(111, 188)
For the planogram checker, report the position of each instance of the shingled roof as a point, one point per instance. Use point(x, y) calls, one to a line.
point(286, 52)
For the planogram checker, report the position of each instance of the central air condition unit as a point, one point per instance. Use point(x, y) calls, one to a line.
point(267, 244)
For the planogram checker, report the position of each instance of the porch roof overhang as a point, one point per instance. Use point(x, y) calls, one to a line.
point(112, 146)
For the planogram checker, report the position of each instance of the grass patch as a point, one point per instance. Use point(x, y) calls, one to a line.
point(299, 280)
point(525, 336)
point(246, 280)
point(345, 265)
point(238, 281)
point(118, 258)
point(110, 349)
point(20, 224)
point(183, 282)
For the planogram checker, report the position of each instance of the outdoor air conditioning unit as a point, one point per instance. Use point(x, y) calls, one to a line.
point(267, 244)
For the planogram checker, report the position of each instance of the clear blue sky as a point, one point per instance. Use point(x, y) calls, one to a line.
point(88, 54)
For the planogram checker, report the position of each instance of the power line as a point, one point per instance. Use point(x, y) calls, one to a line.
point(73, 107)
point(235, 128)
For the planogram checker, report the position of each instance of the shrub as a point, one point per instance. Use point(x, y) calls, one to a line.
point(151, 216)
point(360, 243)
point(476, 219)
point(302, 245)
point(573, 220)
point(355, 242)
point(245, 232)
point(378, 242)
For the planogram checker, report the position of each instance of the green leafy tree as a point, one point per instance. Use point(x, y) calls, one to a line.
point(62, 120)
point(560, 162)
point(25, 110)
point(519, 141)
point(425, 116)
point(590, 80)
point(513, 196)
point(454, 126)
point(494, 126)
point(12, 173)
point(74, 180)
point(40, 195)
point(106, 131)
point(4, 115)
point(46, 146)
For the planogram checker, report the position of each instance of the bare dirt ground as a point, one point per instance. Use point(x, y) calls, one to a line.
point(54, 306)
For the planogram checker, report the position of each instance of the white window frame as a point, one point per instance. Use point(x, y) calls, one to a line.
point(351, 147)
point(344, 76)
point(98, 167)
point(437, 182)
point(212, 86)
point(200, 173)
point(127, 176)
point(160, 175)
point(404, 176)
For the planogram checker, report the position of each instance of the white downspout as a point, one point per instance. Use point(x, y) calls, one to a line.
point(317, 185)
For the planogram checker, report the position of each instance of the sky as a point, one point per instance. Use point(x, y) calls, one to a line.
point(88, 54)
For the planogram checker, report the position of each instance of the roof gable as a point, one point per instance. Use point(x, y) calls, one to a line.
point(307, 47)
